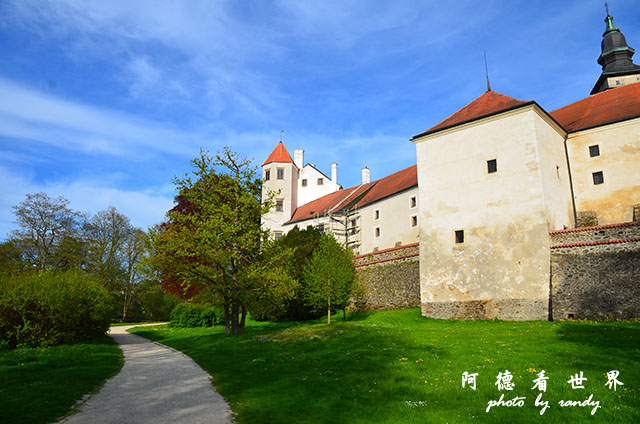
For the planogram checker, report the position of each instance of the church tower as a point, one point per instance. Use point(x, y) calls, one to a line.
point(617, 67)
point(280, 179)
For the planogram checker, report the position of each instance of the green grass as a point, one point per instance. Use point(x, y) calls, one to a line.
point(398, 367)
point(41, 385)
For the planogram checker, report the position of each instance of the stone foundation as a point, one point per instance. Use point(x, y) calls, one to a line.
point(389, 279)
point(507, 309)
point(595, 272)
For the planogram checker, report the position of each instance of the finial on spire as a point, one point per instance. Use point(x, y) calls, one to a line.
point(281, 131)
point(486, 68)
point(609, 21)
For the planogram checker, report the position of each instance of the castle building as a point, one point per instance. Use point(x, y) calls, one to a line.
point(490, 186)
point(499, 175)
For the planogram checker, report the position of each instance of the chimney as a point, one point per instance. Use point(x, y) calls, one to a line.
point(298, 158)
point(365, 175)
point(334, 173)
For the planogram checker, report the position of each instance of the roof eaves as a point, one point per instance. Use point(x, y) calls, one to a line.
point(603, 124)
point(477, 118)
point(388, 195)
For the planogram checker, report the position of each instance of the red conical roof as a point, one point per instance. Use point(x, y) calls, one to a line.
point(490, 103)
point(279, 155)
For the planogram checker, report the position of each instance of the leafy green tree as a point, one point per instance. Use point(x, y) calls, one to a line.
point(213, 235)
point(11, 258)
point(329, 276)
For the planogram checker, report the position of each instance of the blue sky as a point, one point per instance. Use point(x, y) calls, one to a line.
point(104, 102)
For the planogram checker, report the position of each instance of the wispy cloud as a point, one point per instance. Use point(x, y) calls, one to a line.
point(33, 115)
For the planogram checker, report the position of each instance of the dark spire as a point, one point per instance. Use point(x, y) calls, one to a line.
point(615, 58)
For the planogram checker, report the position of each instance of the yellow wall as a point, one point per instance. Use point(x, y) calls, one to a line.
point(619, 162)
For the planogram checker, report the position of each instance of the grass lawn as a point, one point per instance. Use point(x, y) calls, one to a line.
point(398, 367)
point(41, 385)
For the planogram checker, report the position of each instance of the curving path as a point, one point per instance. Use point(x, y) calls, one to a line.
point(156, 385)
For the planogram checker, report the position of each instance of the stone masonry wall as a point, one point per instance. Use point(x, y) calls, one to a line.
point(595, 272)
point(388, 279)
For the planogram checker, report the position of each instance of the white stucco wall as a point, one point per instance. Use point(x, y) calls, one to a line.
point(505, 254)
point(394, 222)
point(313, 191)
point(285, 189)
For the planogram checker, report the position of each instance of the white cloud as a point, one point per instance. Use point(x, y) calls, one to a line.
point(144, 208)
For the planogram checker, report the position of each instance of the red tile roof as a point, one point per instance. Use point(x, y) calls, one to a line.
point(327, 203)
point(358, 196)
point(602, 108)
point(279, 154)
point(490, 103)
point(392, 184)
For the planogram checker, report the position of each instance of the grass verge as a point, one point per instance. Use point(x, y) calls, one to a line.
point(39, 385)
point(399, 367)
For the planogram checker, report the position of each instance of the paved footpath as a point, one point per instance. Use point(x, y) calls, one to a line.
point(156, 385)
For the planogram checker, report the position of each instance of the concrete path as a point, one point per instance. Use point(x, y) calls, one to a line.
point(156, 385)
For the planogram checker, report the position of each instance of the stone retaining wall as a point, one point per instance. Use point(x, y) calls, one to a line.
point(595, 272)
point(388, 279)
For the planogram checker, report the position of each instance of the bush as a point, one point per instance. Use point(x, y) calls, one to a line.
point(50, 308)
point(195, 315)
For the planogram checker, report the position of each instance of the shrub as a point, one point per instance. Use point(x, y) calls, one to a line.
point(195, 315)
point(52, 308)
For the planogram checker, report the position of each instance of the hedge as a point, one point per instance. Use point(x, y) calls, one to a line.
point(44, 309)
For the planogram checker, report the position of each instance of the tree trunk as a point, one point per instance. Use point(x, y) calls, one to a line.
point(227, 329)
point(235, 323)
point(344, 314)
point(329, 312)
point(244, 318)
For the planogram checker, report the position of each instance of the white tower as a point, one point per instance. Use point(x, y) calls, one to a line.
point(280, 178)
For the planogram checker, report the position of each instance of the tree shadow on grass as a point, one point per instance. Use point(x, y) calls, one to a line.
point(312, 373)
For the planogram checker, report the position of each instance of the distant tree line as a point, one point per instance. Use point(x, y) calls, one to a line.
point(55, 243)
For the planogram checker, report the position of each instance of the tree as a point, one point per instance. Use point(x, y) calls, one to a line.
point(134, 251)
point(329, 276)
point(213, 234)
point(43, 223)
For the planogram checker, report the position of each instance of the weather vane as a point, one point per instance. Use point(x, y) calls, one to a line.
point(281, 131)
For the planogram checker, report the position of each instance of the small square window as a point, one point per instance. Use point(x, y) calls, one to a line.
point(594, 151)
point(278, 235)
point(321, 228)
point(279, 205)
point(267, 175)
point(281, 173)
point(459, 236)
point(598, 178)
point(636, 212)
point(414, 221)
point(492, 166)
point(413, 201)
point(377, 231)
point(304, 182)
point(376, 214)
point(320, 181)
